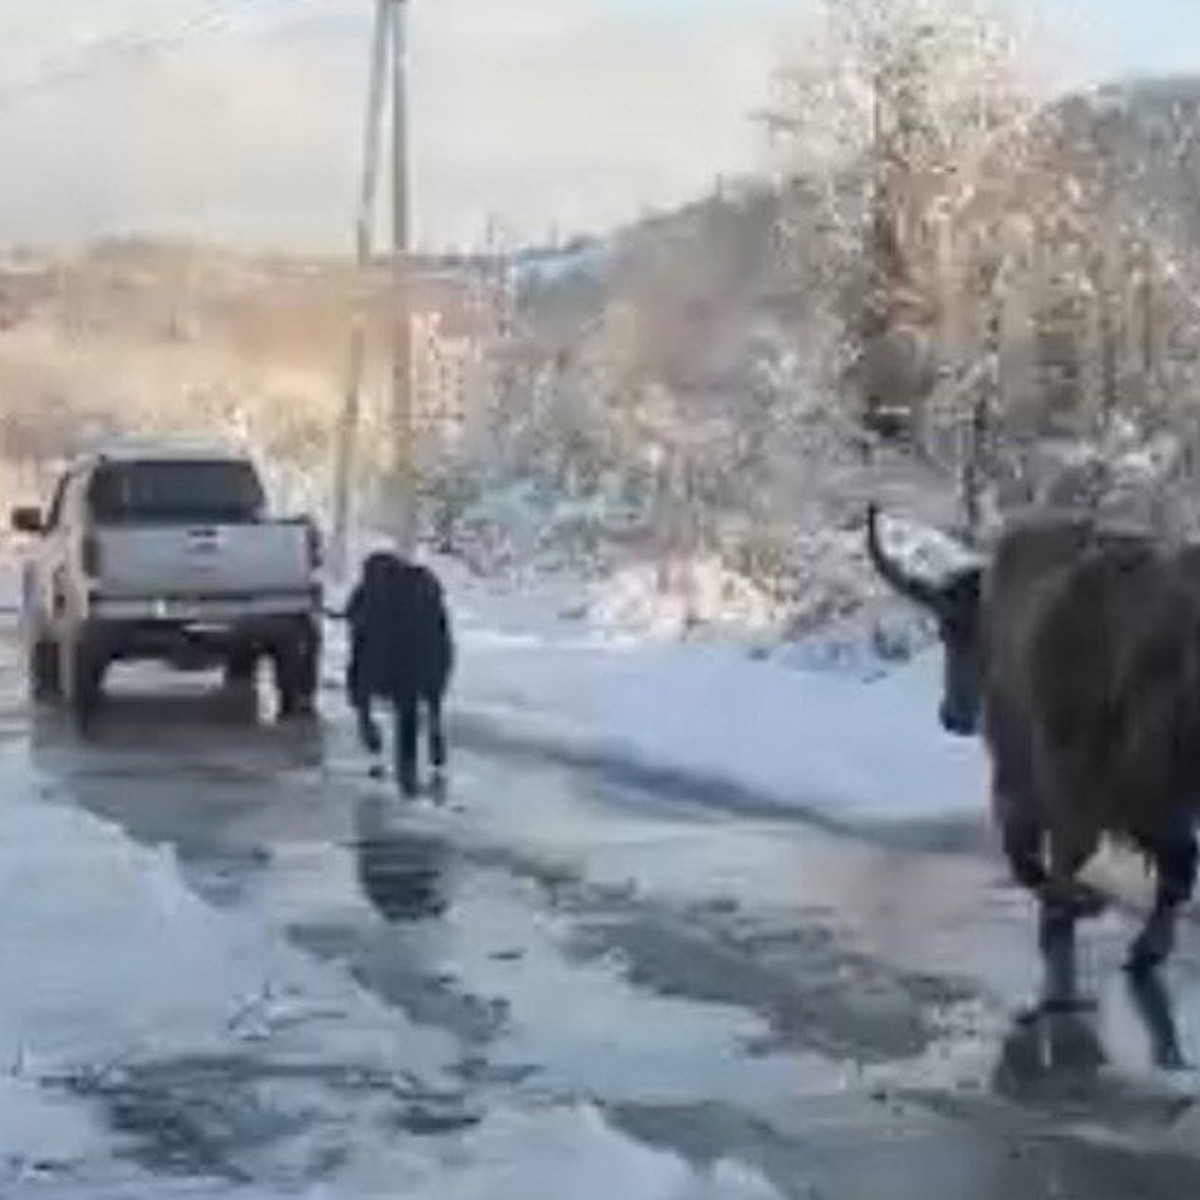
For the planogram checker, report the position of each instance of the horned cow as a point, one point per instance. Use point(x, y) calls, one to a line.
point(1076, 652)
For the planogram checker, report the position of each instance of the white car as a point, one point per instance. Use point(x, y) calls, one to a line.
point(165, 552)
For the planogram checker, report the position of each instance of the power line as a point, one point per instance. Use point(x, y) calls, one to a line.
point(106, 53)
point(122, 49)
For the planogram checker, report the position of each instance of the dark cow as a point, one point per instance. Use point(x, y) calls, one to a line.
point(1078, 650)
point(401, 651)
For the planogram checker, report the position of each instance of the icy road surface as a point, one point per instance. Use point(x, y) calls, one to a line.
point(232, 965)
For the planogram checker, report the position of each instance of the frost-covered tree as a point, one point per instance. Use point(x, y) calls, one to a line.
point(892, 125)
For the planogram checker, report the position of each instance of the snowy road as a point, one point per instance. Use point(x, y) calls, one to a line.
point(232, 965)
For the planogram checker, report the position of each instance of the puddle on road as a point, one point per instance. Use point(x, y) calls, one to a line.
point(242, 1118)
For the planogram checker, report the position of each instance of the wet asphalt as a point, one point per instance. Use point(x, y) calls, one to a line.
point(841, 1014)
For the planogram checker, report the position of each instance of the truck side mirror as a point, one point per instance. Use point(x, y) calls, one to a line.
point(27, 520)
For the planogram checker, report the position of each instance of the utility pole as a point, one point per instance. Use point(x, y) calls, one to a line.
point(352, 400)
point(388, 49)
point(404, 496)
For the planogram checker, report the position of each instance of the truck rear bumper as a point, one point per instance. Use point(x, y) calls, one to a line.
point(207, 609)
point(197, 644)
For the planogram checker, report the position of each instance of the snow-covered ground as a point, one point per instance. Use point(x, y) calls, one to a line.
point(823, 742)
point(110, 964)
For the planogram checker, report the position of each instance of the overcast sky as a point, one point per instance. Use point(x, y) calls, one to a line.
point(575, 112)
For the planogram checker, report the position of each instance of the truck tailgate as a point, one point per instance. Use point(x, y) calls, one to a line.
point(269, 558)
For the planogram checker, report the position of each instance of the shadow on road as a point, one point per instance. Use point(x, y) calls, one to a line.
point(401, 872)
point(197, 770)
point(201, 771)
point(1059, 1062)
point(192, 721)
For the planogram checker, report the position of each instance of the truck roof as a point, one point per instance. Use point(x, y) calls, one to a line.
point(160, 449)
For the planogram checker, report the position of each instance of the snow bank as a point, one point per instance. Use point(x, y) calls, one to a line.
point(141, 964)
point(818, 741)
point(663, 602)
point(924, 550)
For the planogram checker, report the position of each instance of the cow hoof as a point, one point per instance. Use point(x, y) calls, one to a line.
point(1056, 1006)
point(1085, 902)
point(1064, 1006)
point(1144, 959)
point(1078, 901)
point(1090, 902)
point(298, 715)
point(371, 737)
point(1152, 947)
point(1140, 965)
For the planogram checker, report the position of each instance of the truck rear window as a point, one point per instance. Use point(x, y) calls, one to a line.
point(190, 492)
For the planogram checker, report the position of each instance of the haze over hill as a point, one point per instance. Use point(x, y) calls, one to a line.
point(704, 270)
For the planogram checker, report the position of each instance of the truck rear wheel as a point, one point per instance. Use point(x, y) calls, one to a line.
point(297, 673)
point(240, 668)
point(45, 677)
point(82, 667)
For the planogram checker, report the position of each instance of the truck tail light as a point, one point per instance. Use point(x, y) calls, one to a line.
point(90, 555)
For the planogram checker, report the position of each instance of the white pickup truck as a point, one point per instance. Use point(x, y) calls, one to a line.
point(166, 553)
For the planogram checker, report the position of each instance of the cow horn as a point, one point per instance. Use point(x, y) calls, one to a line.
point(917, 590)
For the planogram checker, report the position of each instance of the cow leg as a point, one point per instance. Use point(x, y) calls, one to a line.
point(1070, 851)
point(370, 736)
point(437, 733)
point(1015, 807)
point(1175, 861)
point(369, 733)
point(407, 718)
point(1153, 1006)
point(1062, 904)
point(1056, 938)
point(1023, 847)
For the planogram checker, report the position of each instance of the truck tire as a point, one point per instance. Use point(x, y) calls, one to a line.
point(82, 668)
point(45, 676)
point(297, 673)
point(240, 669)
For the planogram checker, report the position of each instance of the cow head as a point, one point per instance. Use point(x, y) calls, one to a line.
point(956, 605)
point(379, 568)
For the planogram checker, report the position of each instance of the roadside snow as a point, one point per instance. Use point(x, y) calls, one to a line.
point(702, 591)
point(821, 742)
point(841, 734)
